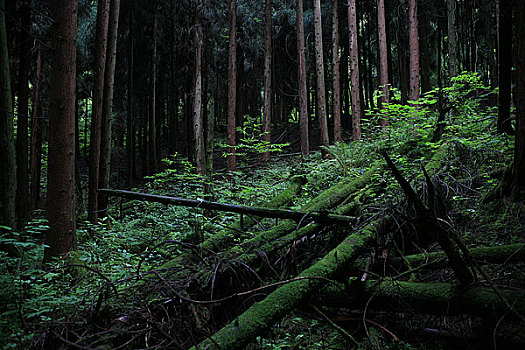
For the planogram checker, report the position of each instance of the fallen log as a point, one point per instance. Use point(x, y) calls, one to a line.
point(427, 298)
point(325, 201)
point(265, 313)
point(318, 216)
point(484, 255)
point(224, 237)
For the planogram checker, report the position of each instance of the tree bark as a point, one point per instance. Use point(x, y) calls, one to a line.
point(198, 127)
point(107, 109)
point(303, 99)
point(97, 106)
point(267, 111)
point(425, 52)
point(336, 74)
point(36, 136)
point(518, 168)
point(232, 88)
point(61, 237)
point(505, 65)
point(414, 50)
point(152, 122)
point(22, 144)
point(383, 57)
point(130, 120)
point(452, 38)
point(354, 70)
point(7, 143)
point(321, 89)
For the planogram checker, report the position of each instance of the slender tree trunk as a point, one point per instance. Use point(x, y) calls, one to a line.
point(369, 65)
point(303, 98)
point(130, 128)
point(383, 57)
point(440, 125)
point(319, 64)
point(232, 87)
point(518, 169)
point(198, 127)
point(22, 164)
point(36, 136)
point(345, 81)
point(414, 50)
point(97, 105)
point(152, 127)
point(107, 115)
point(336, 74)
point(7, 143)
point(505, 65)
point(267, 109)
point(452, 38)
point(488, 9)
point(424, 33)
point(61, 237)
point(354, 70)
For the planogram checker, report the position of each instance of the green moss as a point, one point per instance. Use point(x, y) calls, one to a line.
point(265, 313)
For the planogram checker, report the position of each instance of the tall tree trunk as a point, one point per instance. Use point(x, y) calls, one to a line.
point(518, 169)
point(36, 136)
point(232, 87)
point(452, 38)
point(488, 9)
point(130, 127)
point(198, 127)
point(61, 237)
point(7, 143)
point(414, 50)
point(303, 97)
point(152, 125)
point(424, 33)
point(97, 106)
point(22, 149)
point(345, 81)
point(505, 64)
point(107, 115)
point(383, 57)
point(319, 64)
point(354, 70)
point(267, 109)
point(336, 74)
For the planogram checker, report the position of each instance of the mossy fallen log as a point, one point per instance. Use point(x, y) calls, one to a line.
point(325, 201)
point(484, 255)
point(426, 298)
point(277, 304)
point(223, 238)
point(249, 253)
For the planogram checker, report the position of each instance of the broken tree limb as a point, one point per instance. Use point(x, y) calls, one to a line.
point(318, 216)
point(426, 218)
point(430, 298)
point(224, 237)
point(265, 313)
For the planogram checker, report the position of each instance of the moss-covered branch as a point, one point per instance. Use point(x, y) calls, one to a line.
point(264, 314)
point(432, 298)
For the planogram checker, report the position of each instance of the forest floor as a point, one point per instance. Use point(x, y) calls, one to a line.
point(163, 276)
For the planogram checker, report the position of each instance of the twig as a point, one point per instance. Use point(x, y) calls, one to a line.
point(335, 325)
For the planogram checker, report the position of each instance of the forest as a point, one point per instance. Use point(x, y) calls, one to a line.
point(271, 174)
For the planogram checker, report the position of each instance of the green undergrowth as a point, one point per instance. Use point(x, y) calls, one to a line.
point(138, 237)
